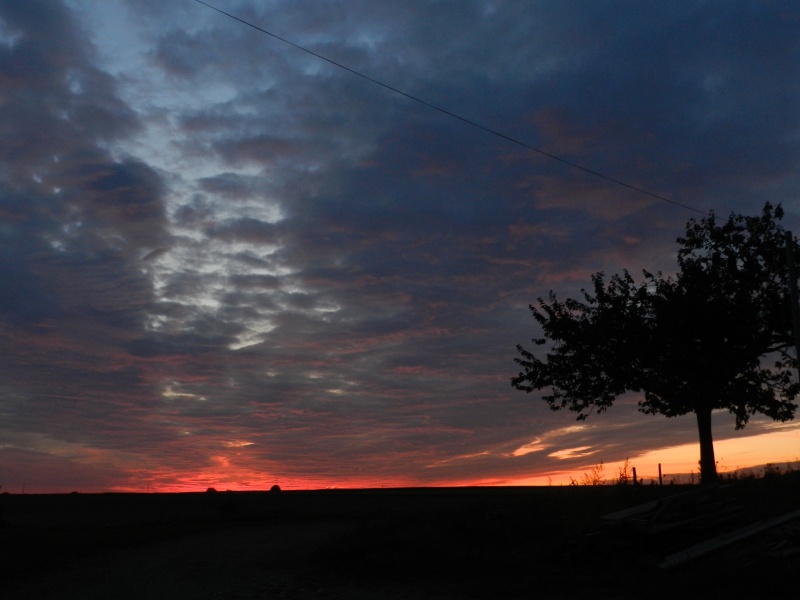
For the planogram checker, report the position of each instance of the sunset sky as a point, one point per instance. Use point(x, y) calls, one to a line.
point(227, 262)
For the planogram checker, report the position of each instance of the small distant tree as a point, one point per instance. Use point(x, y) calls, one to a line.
point(715, 336)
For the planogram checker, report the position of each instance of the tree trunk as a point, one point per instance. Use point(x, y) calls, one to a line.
point(708, 466)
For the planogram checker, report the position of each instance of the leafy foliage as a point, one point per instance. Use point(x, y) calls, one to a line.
point(715, 336)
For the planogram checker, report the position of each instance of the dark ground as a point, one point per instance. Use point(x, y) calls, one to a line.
point(546, 542)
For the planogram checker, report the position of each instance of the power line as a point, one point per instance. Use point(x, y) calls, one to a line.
point(459, 117)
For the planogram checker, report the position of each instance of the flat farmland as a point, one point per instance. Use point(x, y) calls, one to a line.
point(535, 542)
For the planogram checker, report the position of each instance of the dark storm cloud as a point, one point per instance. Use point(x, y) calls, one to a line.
point(255, 281)
point(76, 221)
point(424, 223)
point(231, 185)
point(223, 249)
point(694, 87)
point(55, 100)
point(245, 230)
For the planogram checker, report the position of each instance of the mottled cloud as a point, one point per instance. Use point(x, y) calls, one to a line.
point(227, 261)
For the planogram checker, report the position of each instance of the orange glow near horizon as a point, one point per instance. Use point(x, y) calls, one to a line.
point(234, 471)
point(780, 448)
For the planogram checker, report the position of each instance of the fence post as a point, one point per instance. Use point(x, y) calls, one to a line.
point(660, 480)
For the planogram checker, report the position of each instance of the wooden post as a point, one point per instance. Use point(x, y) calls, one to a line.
point(635, 481)
point(660, 479)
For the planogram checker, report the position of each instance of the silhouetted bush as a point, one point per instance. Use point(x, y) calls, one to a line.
point(593, 477)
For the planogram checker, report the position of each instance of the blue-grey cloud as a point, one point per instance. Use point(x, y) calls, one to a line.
point(228, 260)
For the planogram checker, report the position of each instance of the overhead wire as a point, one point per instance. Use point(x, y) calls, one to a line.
point(463, 119)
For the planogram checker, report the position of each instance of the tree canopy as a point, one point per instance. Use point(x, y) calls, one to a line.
point(717, 335)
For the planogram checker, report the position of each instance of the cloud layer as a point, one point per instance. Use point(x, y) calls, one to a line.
point(226, 261)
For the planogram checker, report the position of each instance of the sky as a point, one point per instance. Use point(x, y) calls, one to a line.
point(226, 262)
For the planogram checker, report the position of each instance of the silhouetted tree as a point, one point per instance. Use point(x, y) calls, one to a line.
point(714, 336)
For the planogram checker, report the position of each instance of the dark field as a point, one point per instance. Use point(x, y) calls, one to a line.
point(547, 542)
